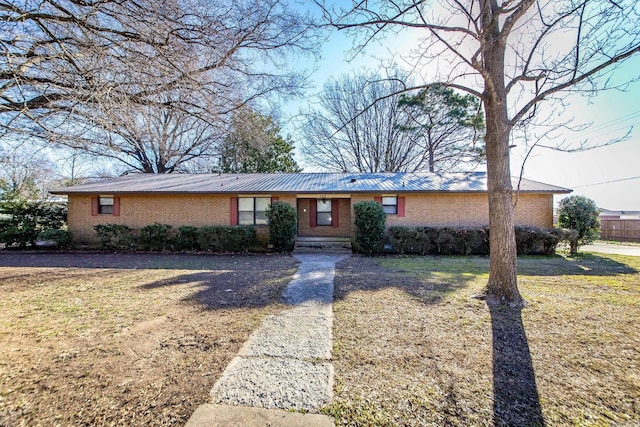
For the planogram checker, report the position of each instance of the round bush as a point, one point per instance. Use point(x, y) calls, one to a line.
point(370, 222)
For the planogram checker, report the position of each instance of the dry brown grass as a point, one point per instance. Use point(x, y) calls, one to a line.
point(125, 339)
point(412, 347)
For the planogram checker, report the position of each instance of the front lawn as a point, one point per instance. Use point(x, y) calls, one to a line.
point(412, 347)
point(117, 339)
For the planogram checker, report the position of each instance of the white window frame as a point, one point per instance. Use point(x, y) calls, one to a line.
point(323, 207)
point(253, 216)
point(390, 206)
point(105, 205)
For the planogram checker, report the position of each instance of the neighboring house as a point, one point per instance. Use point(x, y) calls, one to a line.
point(324, 201)
point(608, 214)
point(620, 225)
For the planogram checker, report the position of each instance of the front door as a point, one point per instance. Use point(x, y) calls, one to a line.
point(326, 217)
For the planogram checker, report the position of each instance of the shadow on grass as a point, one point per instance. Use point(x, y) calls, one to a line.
point(373, 274)
point(430, 279)
point(233, 288)
point(133, 261)
point(515, 393)
point(211, 282)
point(580, 265)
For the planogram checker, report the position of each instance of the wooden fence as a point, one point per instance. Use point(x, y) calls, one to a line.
point(622, 230)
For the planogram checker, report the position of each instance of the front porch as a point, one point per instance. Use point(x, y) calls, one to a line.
point(324, 217)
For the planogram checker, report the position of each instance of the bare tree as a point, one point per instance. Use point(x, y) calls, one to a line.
point(125, 79)
point(154, 138)
point(512, 55)
point(353, 132)
point(25, 171)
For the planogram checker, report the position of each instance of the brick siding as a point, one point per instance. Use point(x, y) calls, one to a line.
point(438, 210)
point(466, 210)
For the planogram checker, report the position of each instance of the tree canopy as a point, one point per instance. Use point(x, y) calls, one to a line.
point(449, 128)
point(148, 84)
point(255, 145)
point(351, 132)
point(581, 214)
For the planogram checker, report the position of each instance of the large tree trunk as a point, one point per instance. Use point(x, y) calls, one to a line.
point(502, 285)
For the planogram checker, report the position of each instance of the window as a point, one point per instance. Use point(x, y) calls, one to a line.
point(105, 205)
point(390, 204)
point(323, 212)
point(251, 210)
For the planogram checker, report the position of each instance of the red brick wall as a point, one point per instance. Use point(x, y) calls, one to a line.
point(465, 209)
point(444, 209)
point(137, 211)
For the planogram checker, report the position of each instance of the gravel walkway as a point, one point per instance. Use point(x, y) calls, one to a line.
point(286, 363)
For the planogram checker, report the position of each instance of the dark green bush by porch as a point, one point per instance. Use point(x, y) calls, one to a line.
point(283, 226)
point(114, 236)
point(370, 222)
point(223, 238)
point(154, 237)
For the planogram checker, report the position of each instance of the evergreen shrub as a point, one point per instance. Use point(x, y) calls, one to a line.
point(62, 238)
point(115, 236)
point(370, 222)
point(154, 237)
point(224, 238)
point(186, 239)
point(283, 226)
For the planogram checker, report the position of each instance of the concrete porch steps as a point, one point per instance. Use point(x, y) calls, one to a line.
point(322, 244)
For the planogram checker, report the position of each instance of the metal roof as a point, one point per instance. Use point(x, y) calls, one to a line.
point(279, 183)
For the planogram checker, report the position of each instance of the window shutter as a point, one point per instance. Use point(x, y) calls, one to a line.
point(116, 206)
point(94, 206)
point(401, 206)
point(233, 211)
point(378, 199)
point(335, 210)
point(313, 213)
point(273, 200)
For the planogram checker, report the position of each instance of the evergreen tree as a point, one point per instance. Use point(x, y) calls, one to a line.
point(255, 146)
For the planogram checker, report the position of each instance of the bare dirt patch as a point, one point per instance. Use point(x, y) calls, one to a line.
point(95, 339)
point(413, 348)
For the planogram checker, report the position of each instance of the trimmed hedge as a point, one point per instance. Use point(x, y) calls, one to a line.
point(186, 239)
point(226, 238)
point(154, 237)
point(115, 236)
point(472, 241)
point(439, 241)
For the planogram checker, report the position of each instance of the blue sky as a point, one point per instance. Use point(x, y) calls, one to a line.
point(609, 175)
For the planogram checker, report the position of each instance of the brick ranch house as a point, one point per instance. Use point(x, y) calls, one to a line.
point(323, 201)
